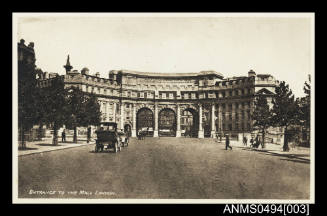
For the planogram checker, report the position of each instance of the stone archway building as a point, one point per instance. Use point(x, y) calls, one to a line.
point(221, 105)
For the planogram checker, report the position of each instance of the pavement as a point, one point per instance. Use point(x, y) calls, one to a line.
point(295, 151)
point(166, 168)
point(46, 146)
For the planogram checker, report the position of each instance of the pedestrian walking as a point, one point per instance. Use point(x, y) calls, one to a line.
point(63, 136)
point(245, 141)
point(88, 134)
point(227, 142)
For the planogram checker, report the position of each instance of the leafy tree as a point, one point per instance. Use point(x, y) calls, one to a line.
point(261, 116)
point(26, 97)
point(285, 110)
point(76, 112)
point(305, 108)
point(92, 113)
point(82, 110)
point(55, 106)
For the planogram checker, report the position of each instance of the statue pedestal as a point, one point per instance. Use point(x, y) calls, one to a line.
point(178, 133)
point(155, 133)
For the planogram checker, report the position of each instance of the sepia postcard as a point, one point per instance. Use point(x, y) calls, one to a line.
point(163, 108)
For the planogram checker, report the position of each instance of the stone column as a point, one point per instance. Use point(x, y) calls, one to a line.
point(200, 133)
point(220, 119)
point(233, 116)
point(114, 112)
point(122, 116)
point(107, 110)
point(213, 118)
point(155, 132)
point(134, 121)
point(178, 115)
point(101, 109)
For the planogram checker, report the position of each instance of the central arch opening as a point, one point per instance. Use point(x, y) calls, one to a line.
point(190, 123)
point(167, 122)
point(144, 121)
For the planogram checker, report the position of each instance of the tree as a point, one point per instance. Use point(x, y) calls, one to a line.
point(304, 107)
point(261, 116)
point(55, 106)
point(26, 97)
point(92, 113)
point(82, 110)
point(285, 110)
point(76, 109)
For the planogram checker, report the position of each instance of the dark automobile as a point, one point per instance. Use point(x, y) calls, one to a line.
point(107, 137)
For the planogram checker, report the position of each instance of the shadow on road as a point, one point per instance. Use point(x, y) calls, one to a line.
point(27, 148)
point(44, 144)
point(287, 157)
point(104, 151)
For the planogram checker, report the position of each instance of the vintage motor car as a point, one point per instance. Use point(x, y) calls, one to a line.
point(107, 137)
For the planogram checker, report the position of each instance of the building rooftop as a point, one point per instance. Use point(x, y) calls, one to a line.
point(172, 75)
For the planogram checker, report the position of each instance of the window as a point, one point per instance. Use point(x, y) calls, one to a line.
point(223, 94)
point(230, 93)
point(230, 127)
point(242, 91)
point(236, 116)
point(236, 92)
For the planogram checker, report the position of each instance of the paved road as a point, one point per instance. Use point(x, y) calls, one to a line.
point(173, 168)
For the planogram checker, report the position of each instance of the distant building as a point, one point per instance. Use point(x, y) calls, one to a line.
point(170, 103)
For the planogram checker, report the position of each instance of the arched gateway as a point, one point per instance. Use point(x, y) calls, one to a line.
point(145, 121)
point(167, 122)
point(190, 122)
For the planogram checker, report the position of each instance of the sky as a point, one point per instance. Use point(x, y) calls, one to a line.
point(280, 46)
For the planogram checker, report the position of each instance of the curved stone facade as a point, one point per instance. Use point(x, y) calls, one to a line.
point(216, 104)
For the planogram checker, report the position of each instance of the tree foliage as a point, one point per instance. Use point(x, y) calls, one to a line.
point(305, 105)
point(27, 100)
point(81, 109)
point(285, 110)
point(261, 116)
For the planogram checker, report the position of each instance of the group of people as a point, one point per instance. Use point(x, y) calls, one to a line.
point(255, 143)
point(63, 135)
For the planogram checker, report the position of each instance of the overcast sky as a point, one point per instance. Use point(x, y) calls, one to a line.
point(232, 46)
